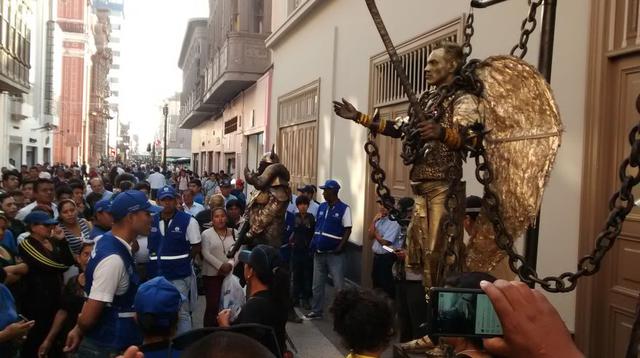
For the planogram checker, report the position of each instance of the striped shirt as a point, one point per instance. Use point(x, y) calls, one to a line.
point(75, 242)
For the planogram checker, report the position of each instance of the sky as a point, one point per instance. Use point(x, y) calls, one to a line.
point(151, 41)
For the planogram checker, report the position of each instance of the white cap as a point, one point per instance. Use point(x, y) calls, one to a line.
point(44, 175)
point(233, 181)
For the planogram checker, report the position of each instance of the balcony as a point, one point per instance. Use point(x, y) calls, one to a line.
point(239, 63)
point(14, 75)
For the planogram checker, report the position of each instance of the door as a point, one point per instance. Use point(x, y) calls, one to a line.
point(606, 303)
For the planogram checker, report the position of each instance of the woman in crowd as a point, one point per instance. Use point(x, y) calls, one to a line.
point(46, 255)
point(364, 320)
point(73, 297)
point(183, 181)
point(267, 284)
point(76, 230)
point(216, 242)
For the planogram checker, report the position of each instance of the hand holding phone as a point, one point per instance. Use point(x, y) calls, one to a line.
point(461, 312)
point(532, 326)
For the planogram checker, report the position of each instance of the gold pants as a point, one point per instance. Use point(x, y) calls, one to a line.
point(424, 241)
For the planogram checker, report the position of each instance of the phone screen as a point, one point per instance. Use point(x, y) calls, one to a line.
point(464, 313)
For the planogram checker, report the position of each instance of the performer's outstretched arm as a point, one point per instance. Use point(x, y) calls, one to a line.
point(346, 110)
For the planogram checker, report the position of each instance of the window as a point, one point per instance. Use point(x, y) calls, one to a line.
point(299, 106)
point(231, 125)
point(386, 87)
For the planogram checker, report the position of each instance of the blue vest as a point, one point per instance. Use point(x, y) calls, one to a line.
point(116, 328)
point(329, 229)
point(95, 232)
point(170, 254)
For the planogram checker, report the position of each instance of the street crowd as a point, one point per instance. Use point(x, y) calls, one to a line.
point(95, 260)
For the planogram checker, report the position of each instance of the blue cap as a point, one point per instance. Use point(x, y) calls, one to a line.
point(129, 202)
point(40, 218)
point(330, 184)
point(102, 205)
point(159, 297)
point(166, 192)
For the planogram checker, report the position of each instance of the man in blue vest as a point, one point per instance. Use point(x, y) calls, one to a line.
point(174, 240)
point(106, 325)
point(333, 228)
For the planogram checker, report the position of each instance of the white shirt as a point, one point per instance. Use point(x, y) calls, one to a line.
point(156, 180)
point(194, 209)
point(22, 213)
point(346, 218)
point(142, 255)
point(110, 277)
point(193, 231)
point(214, 250)
point(313, 208)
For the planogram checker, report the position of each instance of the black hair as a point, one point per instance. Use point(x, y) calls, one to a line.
point(11, 173)
point(143, 185)
point(227, 345)
point(301, 199)
point(40, 182)
point(196, 182)
point(63, 189)
point(66, 201)
point(4, 195)
point(124, 177)
point(157, 325)
point(363, 319)
point(76, 185)
point(125, 185)
point(234, 202)
point(92, 199)
point(27, 182)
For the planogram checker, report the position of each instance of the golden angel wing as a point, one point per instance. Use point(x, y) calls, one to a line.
point(521, 148)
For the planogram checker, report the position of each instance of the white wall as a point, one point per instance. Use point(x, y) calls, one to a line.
point(335, 41)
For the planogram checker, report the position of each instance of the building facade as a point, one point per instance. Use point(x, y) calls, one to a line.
point(15, 63)
point(596, 50)
point(178, 139)
point(71, 140)
point(226, 85)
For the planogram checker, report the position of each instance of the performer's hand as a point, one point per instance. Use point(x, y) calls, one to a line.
point(345, 110)
point(429, 130)
point(532, 327)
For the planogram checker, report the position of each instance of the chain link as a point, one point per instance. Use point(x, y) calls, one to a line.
point(468, 34)
point(528, 26)
point(620, 205)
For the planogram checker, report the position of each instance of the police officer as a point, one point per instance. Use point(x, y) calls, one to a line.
point(107, 318)
point(174, 240)
point(333, 228)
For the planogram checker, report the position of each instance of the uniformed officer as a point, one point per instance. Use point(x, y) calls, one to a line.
point(174, 240)
point(333, 228)
point(106, 325)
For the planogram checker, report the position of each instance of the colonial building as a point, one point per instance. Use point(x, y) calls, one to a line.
point(226, 84)
point(71, 142)
point(15, 62)
point(178, 139)
point(326, 50)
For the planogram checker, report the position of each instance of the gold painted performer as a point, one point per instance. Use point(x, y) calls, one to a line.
point(433, 169)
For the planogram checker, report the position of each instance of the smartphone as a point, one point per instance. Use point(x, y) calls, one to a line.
point(23, 318)
point(461, 312)
point(388, 249)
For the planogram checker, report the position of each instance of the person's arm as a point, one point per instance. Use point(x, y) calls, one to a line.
point(346, 223)
point(15, 331)
point(390, 234)
point(194, 238)
point(376, 124)
point(58, 322)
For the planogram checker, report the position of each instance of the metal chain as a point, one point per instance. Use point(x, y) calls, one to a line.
point(528, 26)
point(468, 34)
point(378, 176)
point(620, 205)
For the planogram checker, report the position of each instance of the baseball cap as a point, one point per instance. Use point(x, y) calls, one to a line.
point(44, 175)
point(159, 297)
point(330, 184)
point(166, 192)
point(102, 205)
point(225, 183)
point(128, 202)
point(40, 218)
point(263, 259)
point(233, 182)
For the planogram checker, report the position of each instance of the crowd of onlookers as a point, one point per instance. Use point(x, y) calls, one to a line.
point(93, 260)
